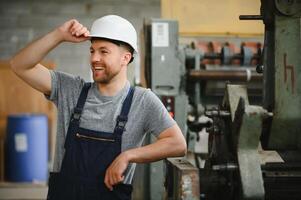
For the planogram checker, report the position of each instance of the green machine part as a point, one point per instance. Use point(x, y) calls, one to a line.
point(282, 74)
point(164, 72)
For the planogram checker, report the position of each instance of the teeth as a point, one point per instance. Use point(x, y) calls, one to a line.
point(98, 68)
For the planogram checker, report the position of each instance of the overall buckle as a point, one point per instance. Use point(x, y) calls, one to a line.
point(76, 113)
point(121, 121)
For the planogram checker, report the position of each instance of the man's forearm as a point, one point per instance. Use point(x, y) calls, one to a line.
point(163, 148)
point(33, 53)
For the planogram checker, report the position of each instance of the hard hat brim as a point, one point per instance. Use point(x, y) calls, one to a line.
point(109, 39)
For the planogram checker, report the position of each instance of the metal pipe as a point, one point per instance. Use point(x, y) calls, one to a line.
point(238, 75)
point(282, 166)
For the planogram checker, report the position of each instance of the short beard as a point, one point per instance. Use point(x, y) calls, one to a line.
point(106, 79)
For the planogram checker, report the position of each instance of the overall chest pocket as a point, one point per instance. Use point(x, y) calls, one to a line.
point(94, 138)
point(96, 150)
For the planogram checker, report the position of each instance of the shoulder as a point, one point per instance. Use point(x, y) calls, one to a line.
point(65, 77)
point(153, 113)
point(141, 91)
point(144, 94)
point(146, 98)
point(64, 85)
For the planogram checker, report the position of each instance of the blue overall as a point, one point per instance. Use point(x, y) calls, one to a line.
point(88, 154)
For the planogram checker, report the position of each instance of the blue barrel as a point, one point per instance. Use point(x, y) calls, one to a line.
point(26, 155)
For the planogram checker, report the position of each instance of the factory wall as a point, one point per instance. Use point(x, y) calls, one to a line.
point(22, 21)
point(214, 17)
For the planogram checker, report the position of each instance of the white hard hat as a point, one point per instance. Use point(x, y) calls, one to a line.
point(114, 27)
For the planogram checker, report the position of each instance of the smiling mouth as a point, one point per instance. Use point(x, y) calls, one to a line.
point(98, 68)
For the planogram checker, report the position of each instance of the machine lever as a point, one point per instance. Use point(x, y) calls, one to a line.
point(250, 17)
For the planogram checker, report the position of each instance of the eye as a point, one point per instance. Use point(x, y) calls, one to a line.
point(91, 51)
point(104, 51)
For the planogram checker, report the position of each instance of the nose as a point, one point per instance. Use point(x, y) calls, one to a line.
point(95, 57)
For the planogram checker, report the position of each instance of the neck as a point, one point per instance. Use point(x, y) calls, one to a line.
point(113, 87)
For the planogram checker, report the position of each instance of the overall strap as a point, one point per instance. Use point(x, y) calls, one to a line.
point(80, 102)
point(75, 117)
point(123, 116)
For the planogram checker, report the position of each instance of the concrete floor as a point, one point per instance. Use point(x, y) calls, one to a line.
point(22, 191)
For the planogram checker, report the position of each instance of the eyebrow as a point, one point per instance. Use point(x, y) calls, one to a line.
point(100, 48)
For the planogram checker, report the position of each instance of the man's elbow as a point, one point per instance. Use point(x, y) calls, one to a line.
point(181, 148)
point(177, 146)
point(12, 64)
point(180, 145)
point(184, 149)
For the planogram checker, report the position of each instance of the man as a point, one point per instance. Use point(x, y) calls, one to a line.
point(101, 125)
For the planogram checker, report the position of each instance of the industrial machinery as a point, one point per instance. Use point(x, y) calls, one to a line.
point(243, 147)
point(190, 79)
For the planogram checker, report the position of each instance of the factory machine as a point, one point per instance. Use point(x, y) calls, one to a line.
point(241, 146)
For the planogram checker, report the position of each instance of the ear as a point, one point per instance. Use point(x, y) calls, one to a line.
point(126, 57)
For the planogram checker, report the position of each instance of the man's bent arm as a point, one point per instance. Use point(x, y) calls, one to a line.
point(26, 62)
point(170, 143)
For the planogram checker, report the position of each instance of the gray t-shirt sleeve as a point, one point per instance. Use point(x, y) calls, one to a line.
point(157, 118)
point(64, 85)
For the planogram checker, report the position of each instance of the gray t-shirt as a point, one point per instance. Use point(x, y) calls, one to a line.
point(147, 114)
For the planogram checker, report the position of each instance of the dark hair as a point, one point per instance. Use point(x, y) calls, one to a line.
point(125, 45)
